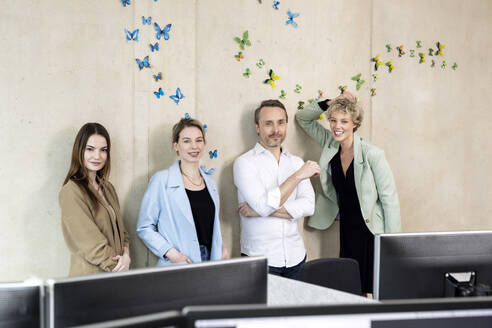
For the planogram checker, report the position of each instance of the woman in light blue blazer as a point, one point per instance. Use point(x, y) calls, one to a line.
point(357, 184)
point(179, 215)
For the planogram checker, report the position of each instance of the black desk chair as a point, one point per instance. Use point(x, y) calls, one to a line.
point(335, 273)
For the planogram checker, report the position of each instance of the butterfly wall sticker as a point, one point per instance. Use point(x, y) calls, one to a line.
point(291, 16)
point(260, 63)
point(162, 32)
point(440, 47)
point(177, 97)
point(283, 94)
point(342, 89)
point(239, 56)
point(433, 63)
point(147, 20)
point(390, 66)
point(454, 66)
point(376, 62)
point(207, 172)
point(412, 53)
point(244, 41)
point(444, 64)
point(247, 73)
point(186, 116)
point(373, 92)
point(357, 78)
point(431, 52)
point(374, 77)
point(131, 35)
point(300, 105)
point(213, 154)
point(125, 3)
point(271, 78)
point(144, 63)
point(401, 52)
point(159, 93)
point(205, 127)
point(421, 57)
point(157, 77)
point(298, 88)
point(154, 47)
point(419, 43)
point(275, 4)
point(388, 47)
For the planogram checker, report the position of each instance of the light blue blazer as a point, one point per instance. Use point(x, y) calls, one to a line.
point(166, 221)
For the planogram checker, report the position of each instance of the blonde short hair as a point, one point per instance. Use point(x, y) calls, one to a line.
point(348, 106)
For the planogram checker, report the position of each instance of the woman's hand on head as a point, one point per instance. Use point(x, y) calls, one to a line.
point(177, 257)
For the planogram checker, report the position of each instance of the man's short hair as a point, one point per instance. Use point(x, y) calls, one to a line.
point(270, 103)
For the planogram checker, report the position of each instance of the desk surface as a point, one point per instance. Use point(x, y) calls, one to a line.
point(283, 291)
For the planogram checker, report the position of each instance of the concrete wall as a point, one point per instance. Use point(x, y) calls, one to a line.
point(65, 63)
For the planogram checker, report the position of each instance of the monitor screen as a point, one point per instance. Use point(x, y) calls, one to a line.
point(103, 297)
point(414, 265)
point(443, 313)
point(20, 304)
point(169, 319)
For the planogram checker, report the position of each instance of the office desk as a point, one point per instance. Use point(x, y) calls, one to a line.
point(283, 291)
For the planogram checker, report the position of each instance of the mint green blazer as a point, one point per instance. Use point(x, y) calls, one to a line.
point(374, 181)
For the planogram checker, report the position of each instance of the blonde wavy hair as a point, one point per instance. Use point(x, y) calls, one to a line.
point(348, 106)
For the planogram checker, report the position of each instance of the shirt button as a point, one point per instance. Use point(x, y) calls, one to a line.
point(367, 220)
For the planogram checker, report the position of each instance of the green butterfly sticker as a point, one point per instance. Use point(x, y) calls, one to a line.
point(298, 89)
point(359, 81)
point(374, 77)
point(376, 62)
point(300, 105)
point(455, 66)
point(439, 46)
point(282, 94)
point(342, 89)
point(431, 52)
point(247, 73)
point(271, 78)
point(239, 56)
point(433, 63)
point(412, 53)
point(260, 63)
point(390, 66)
point(419, 43)
point(443, 65)
point(244, 41)
point(388, 47)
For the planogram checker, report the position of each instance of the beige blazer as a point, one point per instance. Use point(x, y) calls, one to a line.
point(93, 236)
point(374, 181)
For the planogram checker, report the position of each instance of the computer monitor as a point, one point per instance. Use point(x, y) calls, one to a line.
point(21, 304)
point(102, 297)
point(429, 313)
point(169, 319)
point(414, 265)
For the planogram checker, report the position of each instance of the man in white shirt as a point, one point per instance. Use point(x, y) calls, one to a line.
point(273, 192)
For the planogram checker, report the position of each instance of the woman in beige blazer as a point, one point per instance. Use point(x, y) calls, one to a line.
point(357, 184)
point(92, 224)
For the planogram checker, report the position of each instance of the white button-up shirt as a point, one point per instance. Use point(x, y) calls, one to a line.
point(257, 176)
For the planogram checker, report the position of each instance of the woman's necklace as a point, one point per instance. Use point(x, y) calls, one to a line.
point(190, 180)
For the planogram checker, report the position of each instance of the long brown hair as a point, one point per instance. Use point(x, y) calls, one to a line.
point(78, 172)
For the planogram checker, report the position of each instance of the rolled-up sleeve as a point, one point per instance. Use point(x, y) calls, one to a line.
point(263, 201)
point(150, 211)
point(303, 203)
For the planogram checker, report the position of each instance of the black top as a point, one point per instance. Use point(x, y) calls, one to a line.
point(356, 241)
point(203, 210)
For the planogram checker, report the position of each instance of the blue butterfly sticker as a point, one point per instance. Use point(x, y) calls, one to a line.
point(209, 172)
point(162, 32)
point(125, 2)
point(154, 47)
point(291, 18)
point(275, 4)
point(205, 127)
point(157, 77)
point(213, 154)
point(159, 93)
point(131, 35)
point(143, 63)
point(147, 20)
point(177, 97)
point(186, 117)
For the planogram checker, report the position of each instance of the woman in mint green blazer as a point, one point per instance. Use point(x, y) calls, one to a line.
point(357, 184)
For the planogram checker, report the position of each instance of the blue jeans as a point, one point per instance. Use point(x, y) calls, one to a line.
point(293, 272)
point(205, 254)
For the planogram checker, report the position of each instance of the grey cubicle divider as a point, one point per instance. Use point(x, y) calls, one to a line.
point(101, 297)
point(21, 304)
